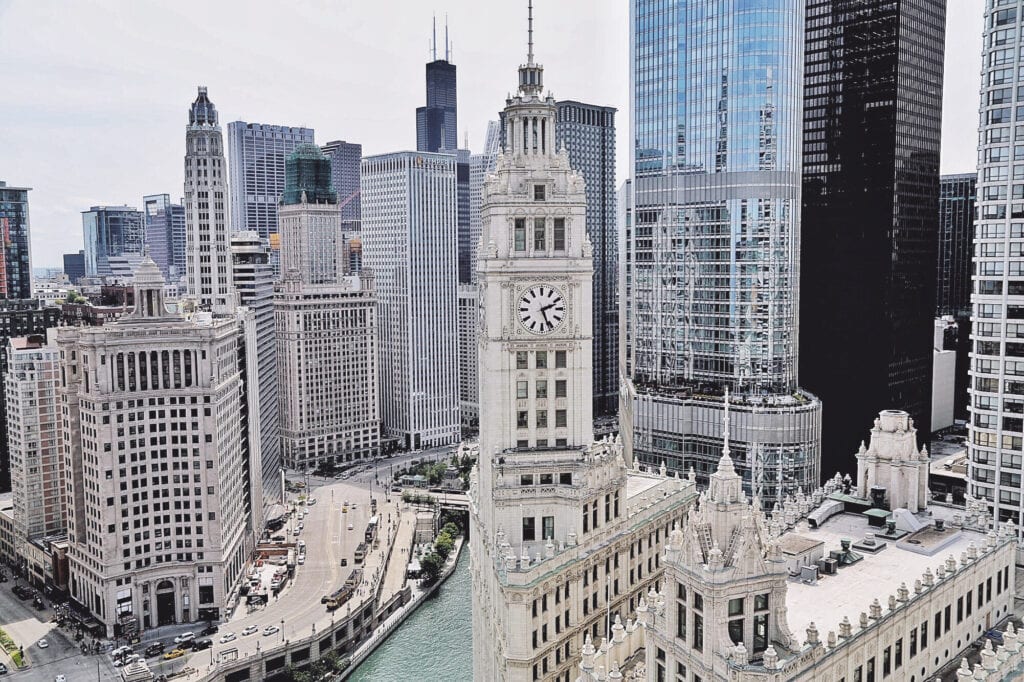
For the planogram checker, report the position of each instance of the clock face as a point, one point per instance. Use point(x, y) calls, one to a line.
point(541, 309)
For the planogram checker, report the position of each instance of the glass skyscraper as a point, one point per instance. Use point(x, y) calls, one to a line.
point(110, 231)
point(996, 442)
point(165, 234)
point(872, 114)
point(16, 248)
point(717, 95)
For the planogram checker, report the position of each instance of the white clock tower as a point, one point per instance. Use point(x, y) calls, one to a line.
point(542, 487)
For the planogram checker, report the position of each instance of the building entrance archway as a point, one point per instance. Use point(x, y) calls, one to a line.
point(165, 614)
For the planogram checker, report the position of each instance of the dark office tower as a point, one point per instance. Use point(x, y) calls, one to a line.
point(953, 287)
point(956, 235)
point(465, 220)
point(108, 232)
point(17, 318)
point(74, 266)
point(345, 159)
point(437, 123)
point(165, 234)
point(872, 110)
point(588, 132)
point(16, 248)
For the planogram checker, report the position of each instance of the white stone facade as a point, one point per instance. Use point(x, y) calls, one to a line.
point(563, 535)
point(313, 247)
point(410, 242)
point(893, 463)
point(327, 365)
point(159, 484)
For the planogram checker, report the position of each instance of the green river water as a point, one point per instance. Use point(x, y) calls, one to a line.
point(435, 644)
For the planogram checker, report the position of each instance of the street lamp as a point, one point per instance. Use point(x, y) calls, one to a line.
point(282, 629)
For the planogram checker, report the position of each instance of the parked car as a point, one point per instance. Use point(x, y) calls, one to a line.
point(60, 678)
point(174, 653)
point(295, 532)
point(185, 638)
point(120, 651)
point(302, 559)
point(154, 649)
point(209, 630)
point(310, 501)
point(3, 669)
point(43, 644)
point(201, 644)
point(249, 629)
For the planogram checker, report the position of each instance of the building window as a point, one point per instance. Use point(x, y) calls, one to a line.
point(522, 359)
point(736, 607)
point(681, 621)
point(760, 632)
point(520, 234)
point(761, 602)
point(560, 388)
point(542, 388)
point(529, 529)
point(560, 418)
point(538, 192)
point(542, 419)
point(542, 359)
point(539, 235)
point(549, 527)
point(887, 661)
point(559, 359)
point(522, 389)
point(523, 419)
point(736, 630)
point(526, 479)
point(558, 235)
point(698, 632)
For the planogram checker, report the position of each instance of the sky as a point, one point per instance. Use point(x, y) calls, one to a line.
point(96, 93)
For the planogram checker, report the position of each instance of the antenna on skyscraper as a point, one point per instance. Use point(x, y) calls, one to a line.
point(446, 37)
point(434, 41)
point(529, 31)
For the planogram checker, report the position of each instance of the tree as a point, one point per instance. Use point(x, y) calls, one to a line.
point(451, 529)
point(444, 545)
point(430, 568)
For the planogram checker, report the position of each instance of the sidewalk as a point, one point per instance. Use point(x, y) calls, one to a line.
point(394, 575)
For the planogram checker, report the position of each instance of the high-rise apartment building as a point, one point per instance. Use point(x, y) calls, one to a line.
point(561, 539)
point(257, 152)
point(715, 242)
point(18, 318)
point(33, 433)
point(326, 326)
point(996, 431)
point(16, 250)
point(207, 249)
point(109, 232)
point(410, 244)
point(157, 402)
point(165, 234)
point(871, 124)
point(469, 330)
point(254, 283)
point(588, 132)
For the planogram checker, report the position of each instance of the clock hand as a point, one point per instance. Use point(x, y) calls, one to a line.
point(544, 313)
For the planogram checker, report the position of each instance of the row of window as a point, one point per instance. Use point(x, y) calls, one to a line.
point(541, 359)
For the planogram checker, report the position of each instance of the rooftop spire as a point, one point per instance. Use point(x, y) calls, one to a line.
point(446, 44)
point(529, 33)
point(531, 75)
point(725, 463)
point(433, 42)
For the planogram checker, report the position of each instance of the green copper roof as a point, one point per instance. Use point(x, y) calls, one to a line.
point(307, 170)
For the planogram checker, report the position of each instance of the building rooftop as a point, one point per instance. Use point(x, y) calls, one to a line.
point(877, 575)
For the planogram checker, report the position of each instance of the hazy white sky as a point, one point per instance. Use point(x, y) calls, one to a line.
point(96, 92)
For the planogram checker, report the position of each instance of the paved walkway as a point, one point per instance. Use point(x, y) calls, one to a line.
point(394, 576)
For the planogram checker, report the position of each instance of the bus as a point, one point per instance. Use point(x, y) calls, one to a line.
point(338, 597)
point(371, 530)
point(360, 553)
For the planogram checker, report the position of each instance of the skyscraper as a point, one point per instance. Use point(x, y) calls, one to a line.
point(154, 372)
point(33, 434)
point(872, 109)
point(996, 432)
point(207, 249)
point(108, 232)
point(74, 266)
point(326, 325)
point(957, 195)
point(165, 234)
point(480, 165)
point(550, 507)
point(254, 283)
point(410, 244)
point(345, 159)
point(18, 318)
point(588, 132)
point(715, 242)
point(16, 250)
point(437, 122)
point(257, 152)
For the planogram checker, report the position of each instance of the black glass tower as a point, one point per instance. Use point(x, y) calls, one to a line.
point(437, 122)
point(872, 111)
point(308, 171)
point(16, 247)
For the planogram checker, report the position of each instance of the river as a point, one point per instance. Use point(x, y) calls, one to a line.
point(435, 644)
